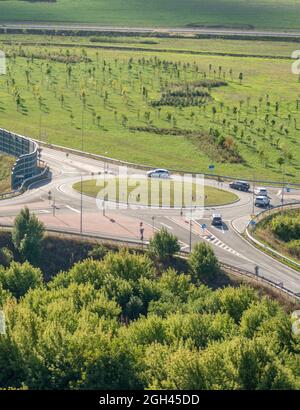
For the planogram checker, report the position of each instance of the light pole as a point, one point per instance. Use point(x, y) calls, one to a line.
point(282, 191)
point(81, 205)
point(153, 223)
point(191, 217)
point(81, 182)
point(253, 196)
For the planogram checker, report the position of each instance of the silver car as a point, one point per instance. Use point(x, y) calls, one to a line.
point(159, 173)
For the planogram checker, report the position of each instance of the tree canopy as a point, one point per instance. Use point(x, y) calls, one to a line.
point(117, 323)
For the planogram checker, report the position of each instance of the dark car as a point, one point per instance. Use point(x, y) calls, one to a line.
point(240, 186)
point(216, 220)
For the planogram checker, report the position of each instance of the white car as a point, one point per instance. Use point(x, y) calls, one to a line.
point(158, 173)
point(261, 191)
point(262, 201)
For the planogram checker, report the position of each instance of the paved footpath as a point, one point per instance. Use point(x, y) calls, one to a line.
point(112, 224)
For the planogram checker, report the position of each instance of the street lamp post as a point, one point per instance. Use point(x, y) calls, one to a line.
point(282, 191)
point(153, 223)
point(81, 205)
point(253, 196)
point(81, 182)
point(191, 217)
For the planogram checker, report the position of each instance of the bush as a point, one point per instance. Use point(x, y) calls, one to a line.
point(98, 252)
point(203, 263)
point(294, 248)
point(6, 257)
point(18, 279)
point(286, 227)
point(163, 245)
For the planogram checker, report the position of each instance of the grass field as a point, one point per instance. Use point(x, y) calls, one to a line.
point(61, 93)
point(149, 192)
point(182, 44)
point(225, 13)
point(6, 164)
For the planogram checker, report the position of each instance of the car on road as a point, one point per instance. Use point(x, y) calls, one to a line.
point(159, 173)
point(240, 185)
point(262, 201)
point(261, 191)
point(216, 220)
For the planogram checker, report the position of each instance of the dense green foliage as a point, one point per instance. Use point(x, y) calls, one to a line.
point(203, 262)
point(286, 226)
point(164, 245)
point(118, 323)
point(281, 231)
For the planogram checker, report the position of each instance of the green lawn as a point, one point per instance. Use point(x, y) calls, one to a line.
point(183, 44)
point(154, 192)
point(6, 164)
point(226, 13)
point(119, 121)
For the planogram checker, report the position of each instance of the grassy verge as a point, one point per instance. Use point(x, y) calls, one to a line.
point(146, 192)
point(6, 164)
point(267, 237)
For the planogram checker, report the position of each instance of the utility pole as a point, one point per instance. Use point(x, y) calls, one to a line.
point(81, 205)
point(253, 196)
point(81, 182)
point(191, 217)
point(282, 191)
point(153, 223)
point(53, 206)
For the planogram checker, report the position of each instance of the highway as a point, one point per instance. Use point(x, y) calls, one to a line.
point(63, 211)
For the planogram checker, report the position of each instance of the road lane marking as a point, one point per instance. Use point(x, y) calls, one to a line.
point(167, 226)
point(72, 209)
point(209, 237)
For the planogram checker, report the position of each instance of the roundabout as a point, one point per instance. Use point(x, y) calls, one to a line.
point(140, 191)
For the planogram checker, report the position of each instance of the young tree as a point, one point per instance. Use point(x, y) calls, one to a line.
point(203, 262)
point(164, 245)
point(28, 235)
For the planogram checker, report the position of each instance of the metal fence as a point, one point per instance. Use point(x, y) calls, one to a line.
point(26, 152)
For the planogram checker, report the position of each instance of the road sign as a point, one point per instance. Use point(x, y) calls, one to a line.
point(252, 222)
point(211, 167)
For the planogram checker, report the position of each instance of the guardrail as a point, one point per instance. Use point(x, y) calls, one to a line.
point(144, 244)
point(264, 214)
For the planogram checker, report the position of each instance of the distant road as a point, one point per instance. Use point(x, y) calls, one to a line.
point(146, 30)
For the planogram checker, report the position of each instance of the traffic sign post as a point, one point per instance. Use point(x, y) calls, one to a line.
point(203, 226)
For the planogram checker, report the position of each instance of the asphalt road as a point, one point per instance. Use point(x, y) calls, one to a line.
point(171, 30)
point(229, 245)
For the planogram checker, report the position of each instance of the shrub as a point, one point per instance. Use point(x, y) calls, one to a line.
point(163, 245)
point(203, 262)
